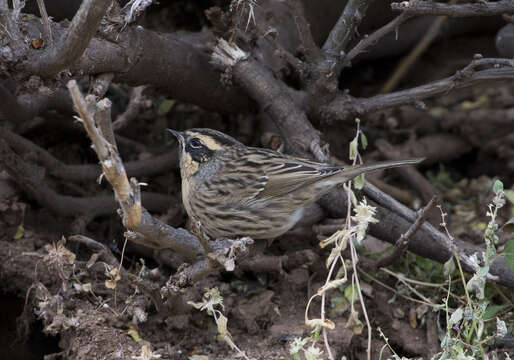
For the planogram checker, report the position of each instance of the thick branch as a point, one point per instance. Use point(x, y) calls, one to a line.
point(293, 124)
point(71, 47)
point(396, 219)
point(274, 99)
point(486, 8)
point(175, 64)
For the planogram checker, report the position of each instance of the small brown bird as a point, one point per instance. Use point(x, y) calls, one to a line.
point(235, 190)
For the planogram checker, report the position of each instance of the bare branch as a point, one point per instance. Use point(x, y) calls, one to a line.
point(30, 178)
point(403, 242)
point(273, 98)
point(344, 107)
point(409, 173)
point(173, 63)
point(86, 172)
point(143, 228)
point(103, 251)
point(64, 53)
point(486, 8)
point(17, 6)
point(312, 52)
point(135, 102)
point(345, 27)
point(47, 30)
point(405, 65)
point(372, 39)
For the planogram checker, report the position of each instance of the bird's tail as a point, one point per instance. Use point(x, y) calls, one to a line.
point(351, 172)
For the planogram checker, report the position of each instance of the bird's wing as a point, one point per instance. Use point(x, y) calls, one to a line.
point(262, 174)
point(289, 174)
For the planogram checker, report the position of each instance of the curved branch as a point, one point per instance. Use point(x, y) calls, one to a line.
point(71, 47)
point(176, 64)
point(344, 106)
point(486, 8)
point(273, 97)
point(86, 172)
point(30, 179)
point(372, 39)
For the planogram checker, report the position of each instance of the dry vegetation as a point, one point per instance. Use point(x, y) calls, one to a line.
point(97, 261)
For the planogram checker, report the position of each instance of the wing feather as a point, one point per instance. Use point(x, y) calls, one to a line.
point(292, 174)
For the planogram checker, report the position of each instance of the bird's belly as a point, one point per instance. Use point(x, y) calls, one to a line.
point(241, 223)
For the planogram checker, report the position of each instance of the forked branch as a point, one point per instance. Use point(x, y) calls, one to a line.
point(143, 228)
point(63, 54)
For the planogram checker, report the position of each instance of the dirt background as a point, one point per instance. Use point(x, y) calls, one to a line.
point(54, 299)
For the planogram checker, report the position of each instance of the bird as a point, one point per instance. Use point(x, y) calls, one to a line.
point(232, 190)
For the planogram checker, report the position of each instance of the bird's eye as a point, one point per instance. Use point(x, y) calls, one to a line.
point(195, 143)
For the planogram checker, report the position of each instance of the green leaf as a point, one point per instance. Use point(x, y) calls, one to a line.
point(508, 253)
point(353, 148)
point(19, 232)
point(492, 310)
point(134, 334)
point(358, 182)
point(509, 194)
point(364, 141)
point(165, 106)
point(351, 293)
point(498, 185)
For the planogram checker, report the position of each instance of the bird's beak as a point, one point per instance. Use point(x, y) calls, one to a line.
point(178, 134)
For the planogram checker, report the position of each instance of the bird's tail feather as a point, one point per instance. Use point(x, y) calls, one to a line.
point(351, 172)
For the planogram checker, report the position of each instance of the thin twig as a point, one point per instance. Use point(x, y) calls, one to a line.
point(486, 8)
point(81, 30)
point(47, 30)
point(370, 40)
point(101, 249)
point(403, 242)
point(407, 62)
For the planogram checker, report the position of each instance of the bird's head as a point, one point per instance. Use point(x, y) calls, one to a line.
point(199, 147)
